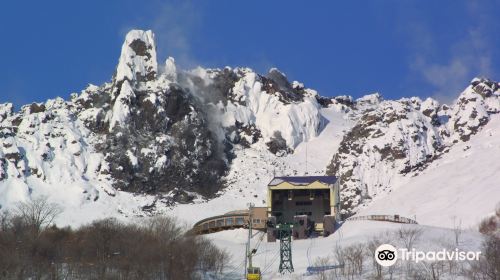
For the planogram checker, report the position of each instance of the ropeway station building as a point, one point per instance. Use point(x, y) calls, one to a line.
point(309, 203)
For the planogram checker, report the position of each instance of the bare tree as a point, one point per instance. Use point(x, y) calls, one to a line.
point(371, 249)
point(488, 266)
point(340, 258)
point(433, 270)
point(323, 274)
point(5, 220)
point(408, 236)
point(38, 213)
point(352, 258)
point(457, 230)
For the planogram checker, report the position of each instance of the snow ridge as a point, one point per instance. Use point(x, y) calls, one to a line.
point(150, 139)
point(403, 137)
point(147, 140)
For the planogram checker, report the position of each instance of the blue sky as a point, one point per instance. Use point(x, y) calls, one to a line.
point(398, 48)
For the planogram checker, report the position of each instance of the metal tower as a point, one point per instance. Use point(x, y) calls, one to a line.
point(285, 236)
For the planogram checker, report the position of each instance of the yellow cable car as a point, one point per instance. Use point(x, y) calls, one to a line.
point(253, 273)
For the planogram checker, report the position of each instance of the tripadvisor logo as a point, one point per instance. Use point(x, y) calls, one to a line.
point(387, 255)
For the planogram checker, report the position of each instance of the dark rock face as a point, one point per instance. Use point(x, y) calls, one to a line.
point(3, 167)
point(324, 101)
point(161, 140)
point(484, 87)
point(37, 108)
point(163, 146)
point(473, 107)
point(393, 138)
point(276, 82)
point(343, 100)
point(140, 48)
point(278, 145)
point(248, 130)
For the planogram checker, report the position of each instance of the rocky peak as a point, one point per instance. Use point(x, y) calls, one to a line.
point(391, 138)
point(137, 61)
point(473, 107)
point(275, 82)
point(369, 100)
point(6, 110)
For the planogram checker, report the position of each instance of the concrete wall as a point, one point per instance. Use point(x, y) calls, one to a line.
point(259, 216)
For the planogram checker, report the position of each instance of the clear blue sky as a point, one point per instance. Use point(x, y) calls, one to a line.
point(398, 48)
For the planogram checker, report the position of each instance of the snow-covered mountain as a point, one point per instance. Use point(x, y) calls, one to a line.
point(154, 137)
point(157, 139)
point(404, 136)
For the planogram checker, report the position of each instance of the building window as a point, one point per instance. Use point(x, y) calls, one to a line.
point(220, 223)
point(256, 221)
point(229, 221)
point(240, 221)
point(303, 203)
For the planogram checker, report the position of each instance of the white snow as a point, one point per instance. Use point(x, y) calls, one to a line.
point(52, 155)
point(132, 158)
point(121, 109)
point(254, 168)
point(130, 63)
point(297, 122)
point(171, 69)
point(461, 186)
point(307, 252)
point(54, 159)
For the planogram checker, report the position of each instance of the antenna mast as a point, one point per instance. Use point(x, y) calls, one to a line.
point(248, 251)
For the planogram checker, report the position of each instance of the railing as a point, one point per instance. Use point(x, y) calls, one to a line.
point(224, 222)
point(384, 218)
point(318, 269)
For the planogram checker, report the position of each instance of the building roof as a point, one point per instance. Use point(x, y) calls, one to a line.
point(240, 212)
point(303, 180)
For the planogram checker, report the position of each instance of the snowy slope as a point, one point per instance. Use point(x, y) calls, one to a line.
point(458, 190)
point(463, 186)
point(308, 252)
point(156, 139)
point(402, 137)
point(254, 167)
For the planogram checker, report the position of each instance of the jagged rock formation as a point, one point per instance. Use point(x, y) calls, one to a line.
point(399, 137)
point(168, 134)
point(155, 135)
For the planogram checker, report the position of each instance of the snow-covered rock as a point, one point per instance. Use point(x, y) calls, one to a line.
point(473, 107)
point(394, 138)
point(402, 137)
point(291, 121)
point(165, 135)
point(155, 136)
point(138, 58)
